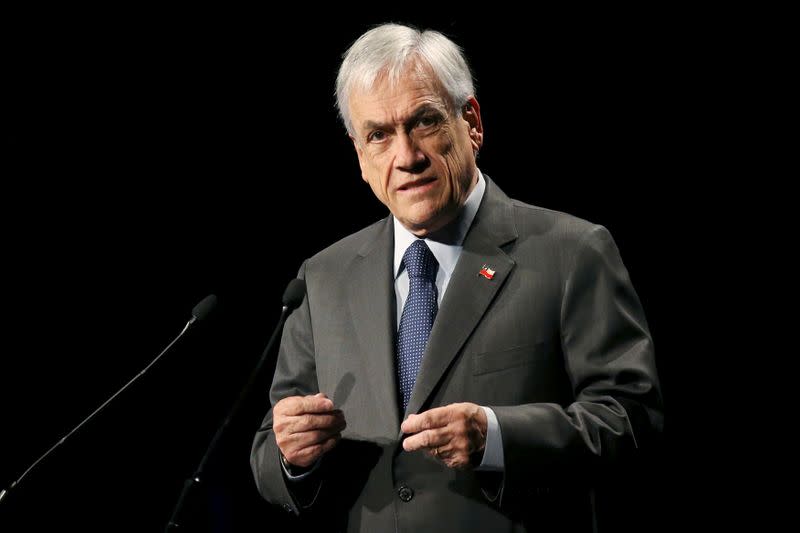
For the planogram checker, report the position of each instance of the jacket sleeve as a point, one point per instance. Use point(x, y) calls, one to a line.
point(295, 375)
point(608, 355)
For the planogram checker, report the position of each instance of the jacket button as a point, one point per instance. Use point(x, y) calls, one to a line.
point(405, 493)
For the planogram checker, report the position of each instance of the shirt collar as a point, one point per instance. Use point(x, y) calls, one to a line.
point(446, 243)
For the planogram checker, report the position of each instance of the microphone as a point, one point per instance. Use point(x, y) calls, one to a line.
point(292, 298)
point(294, 294)
point(204, 307)
point(199, 312)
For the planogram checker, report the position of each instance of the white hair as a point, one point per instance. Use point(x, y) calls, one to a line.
point(387, 50)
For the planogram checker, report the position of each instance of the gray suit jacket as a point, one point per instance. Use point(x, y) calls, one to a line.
point(556, 344)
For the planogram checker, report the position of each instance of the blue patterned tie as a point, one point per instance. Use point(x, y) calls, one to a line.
point(418, 315)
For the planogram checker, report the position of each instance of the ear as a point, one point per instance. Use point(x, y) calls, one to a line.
point(471, 112)
point(360, 154)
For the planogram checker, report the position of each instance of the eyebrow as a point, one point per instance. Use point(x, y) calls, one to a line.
point(424, 109)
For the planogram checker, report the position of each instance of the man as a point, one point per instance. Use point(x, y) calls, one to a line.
point(470, 363)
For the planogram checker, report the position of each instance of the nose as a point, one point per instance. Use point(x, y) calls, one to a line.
point(409, 157)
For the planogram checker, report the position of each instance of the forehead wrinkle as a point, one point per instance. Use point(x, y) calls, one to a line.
point(415, 113)
point(386, 94)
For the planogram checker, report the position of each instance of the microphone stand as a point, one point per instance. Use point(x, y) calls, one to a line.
point(200, 311)
point(197, 478)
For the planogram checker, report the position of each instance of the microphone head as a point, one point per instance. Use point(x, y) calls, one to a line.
point(205, 307)
point(294, 294)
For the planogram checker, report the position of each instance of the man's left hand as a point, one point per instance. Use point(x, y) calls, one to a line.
point(452, 434)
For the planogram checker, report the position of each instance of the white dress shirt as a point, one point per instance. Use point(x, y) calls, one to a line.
point(446, 246)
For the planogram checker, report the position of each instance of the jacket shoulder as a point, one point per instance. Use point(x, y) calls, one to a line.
point(344, 250)
point(536, 220)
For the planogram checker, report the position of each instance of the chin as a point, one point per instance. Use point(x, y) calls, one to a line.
point(422, 227)
point(417, 226)
point(423, 220)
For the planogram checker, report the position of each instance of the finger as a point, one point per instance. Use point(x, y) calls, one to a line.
point(431, 438)
point(433, 418)
point(318, 403)
point(312, 438)
point(330, 443)
point(298, 405)
point(440, 453)
point(308, 455)
point(332, 420)
point(291, 444)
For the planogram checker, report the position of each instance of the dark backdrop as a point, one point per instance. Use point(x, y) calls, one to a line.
point(158, 158)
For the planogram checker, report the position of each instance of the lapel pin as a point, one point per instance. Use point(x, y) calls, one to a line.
point(486, 272)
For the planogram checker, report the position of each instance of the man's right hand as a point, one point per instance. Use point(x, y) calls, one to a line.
point(306, 427)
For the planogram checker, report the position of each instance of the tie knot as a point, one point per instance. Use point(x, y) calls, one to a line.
point(420, 262)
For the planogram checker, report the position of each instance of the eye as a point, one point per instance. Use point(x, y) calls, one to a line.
point(376, 136)
point(428, 121)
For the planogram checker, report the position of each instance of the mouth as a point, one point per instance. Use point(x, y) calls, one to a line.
point(417, 185)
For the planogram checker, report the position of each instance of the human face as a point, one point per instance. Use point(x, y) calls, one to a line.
point(418, 159)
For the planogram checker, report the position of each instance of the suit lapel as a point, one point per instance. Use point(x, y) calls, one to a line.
point(468, 293)
point(372, 307)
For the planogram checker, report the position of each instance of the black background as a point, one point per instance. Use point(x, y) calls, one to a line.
point(156, 158)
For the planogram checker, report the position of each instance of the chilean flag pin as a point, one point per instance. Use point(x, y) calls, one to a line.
point(486, 272)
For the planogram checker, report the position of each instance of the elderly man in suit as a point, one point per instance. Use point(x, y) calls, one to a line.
point(469, 363)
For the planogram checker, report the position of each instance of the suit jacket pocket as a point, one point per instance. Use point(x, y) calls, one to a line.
point(488, 362)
